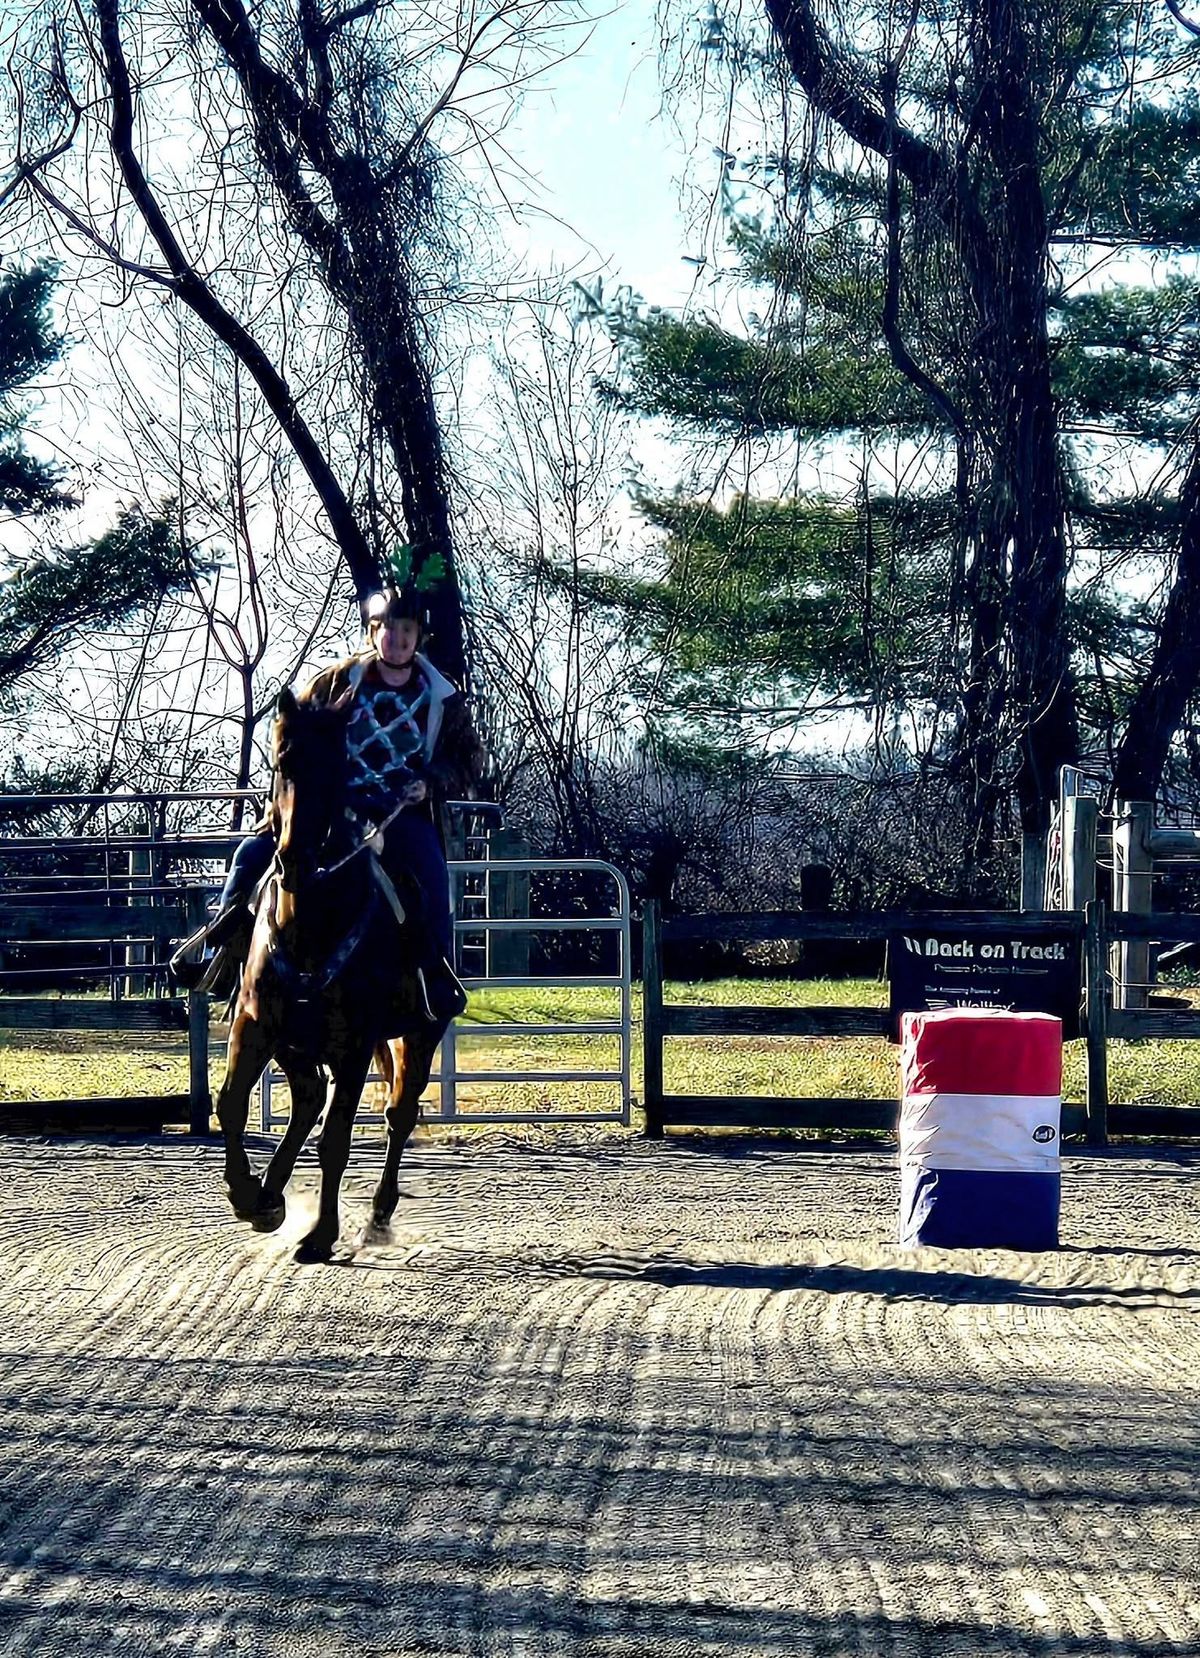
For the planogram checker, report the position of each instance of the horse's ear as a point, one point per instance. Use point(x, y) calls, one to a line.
point(286, 704)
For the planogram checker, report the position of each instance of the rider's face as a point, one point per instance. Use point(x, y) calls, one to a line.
point(395, 642)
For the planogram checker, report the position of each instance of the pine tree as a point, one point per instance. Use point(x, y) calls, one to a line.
point(29, 345)
point(56, 596)
point(937, 277)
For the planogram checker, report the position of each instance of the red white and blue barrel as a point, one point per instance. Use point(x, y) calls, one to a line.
point(979, 1129)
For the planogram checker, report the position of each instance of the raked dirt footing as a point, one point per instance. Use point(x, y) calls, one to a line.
point(597, 1397)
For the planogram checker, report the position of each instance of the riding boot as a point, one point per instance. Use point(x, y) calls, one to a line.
point(228, 936)
point(442, 996)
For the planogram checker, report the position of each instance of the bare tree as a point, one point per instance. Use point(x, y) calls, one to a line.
point(546, 507)
point(332, 133)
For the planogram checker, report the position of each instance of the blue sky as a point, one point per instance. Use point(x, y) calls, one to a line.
point(609, 166)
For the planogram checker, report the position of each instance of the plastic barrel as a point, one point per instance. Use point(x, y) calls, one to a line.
point(979, 1129)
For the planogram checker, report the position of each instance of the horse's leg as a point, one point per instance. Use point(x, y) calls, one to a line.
point(249, 1050)
point(404, 1107)
point(349, 1075)
point(307, 1087)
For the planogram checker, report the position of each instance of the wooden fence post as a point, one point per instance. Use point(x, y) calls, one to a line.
point(1095, 959)
point(652, 1019)
point(199, 1094)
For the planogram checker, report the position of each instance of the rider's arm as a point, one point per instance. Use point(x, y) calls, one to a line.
point(459, 761)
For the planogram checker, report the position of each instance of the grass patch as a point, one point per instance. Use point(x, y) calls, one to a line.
point(48, 1065)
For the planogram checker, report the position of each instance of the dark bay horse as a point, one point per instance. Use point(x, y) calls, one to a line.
point(330, 975)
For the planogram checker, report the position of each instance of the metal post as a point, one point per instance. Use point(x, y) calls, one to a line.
point(1133, 887)
point(508, 897)
point(1080, 823)
point(1033, 871)
point(449, 1087)
point(652, 1019)
point(136, 954)
point(199, 1094)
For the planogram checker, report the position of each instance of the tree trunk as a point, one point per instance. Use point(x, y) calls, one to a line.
point(987, 197)
point(383, 313)
point(358, 233)
point(1174, 675)
point(1024, 514)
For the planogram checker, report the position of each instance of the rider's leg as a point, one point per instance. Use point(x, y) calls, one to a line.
point(231, 924)
point(413, 849)
point(250, 863)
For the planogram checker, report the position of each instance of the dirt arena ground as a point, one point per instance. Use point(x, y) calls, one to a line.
point(608, 1399)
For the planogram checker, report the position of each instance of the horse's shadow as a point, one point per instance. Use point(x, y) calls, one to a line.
point(379, 1251)
point(891, 1283)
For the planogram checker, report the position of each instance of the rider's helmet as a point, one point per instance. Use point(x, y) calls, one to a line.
point(396, 604)
point(406, 594)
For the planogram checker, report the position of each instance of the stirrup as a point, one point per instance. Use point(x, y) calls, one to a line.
point(229, 933)
point(448, 989)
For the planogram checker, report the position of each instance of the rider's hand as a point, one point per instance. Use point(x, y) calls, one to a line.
point(414, 792)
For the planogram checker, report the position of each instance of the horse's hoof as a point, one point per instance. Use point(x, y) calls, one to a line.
point(245, 1199)
point(269, 1217)
point(314, 1251)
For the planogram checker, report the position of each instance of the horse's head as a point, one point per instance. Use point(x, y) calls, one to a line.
point(308, 754)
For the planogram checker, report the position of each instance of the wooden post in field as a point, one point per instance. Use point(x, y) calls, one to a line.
point(1033, 871)
point(1095, 972)
point(652, 1019)
point(199, 1094)
point(1133, 893)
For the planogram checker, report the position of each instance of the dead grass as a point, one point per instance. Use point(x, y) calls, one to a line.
point(57, 1065)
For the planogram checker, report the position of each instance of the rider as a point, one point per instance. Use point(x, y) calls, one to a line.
point(410, 746)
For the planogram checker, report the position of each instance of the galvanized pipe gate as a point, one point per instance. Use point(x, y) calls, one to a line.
point(447, 1072)
point(155, 853)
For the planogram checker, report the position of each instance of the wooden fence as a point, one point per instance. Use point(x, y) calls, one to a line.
point(133, 926)
point(1097, 1119)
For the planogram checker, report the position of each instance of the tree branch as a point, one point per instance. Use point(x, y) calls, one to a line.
point(1176, 11)
point(195, 293)
point(833, 87)
point(900, 354)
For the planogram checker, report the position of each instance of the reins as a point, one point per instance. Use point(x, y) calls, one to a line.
point(368, 842)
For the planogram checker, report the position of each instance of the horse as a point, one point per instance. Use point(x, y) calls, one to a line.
point(330, 980)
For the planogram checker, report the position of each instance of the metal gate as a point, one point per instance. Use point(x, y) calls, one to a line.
point(485, 874)
point(156, 848)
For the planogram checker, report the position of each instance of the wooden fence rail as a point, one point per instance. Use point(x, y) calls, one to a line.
point(1100, 1023)
point(108, 918)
